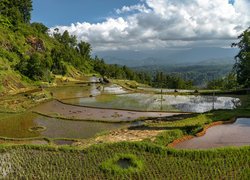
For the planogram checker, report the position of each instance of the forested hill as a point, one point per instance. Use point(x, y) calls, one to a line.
point(200, 75)
point(29, 54)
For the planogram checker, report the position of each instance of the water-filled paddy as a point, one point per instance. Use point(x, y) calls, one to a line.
point(65, 111)
point(236, 134)
point(18, 126)
point(85, 90)
point(152, 102)
point(158, 90)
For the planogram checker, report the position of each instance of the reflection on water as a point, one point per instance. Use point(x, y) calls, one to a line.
point(94, 79)
point(165, 90)
point(150, 102)
point(70, 92)
point(63, 142)
point(202, 104)
point(18, 127)
point(236, 134)
point(242, 122)
point(94, 91)
point(86, 90)
point(114, 89)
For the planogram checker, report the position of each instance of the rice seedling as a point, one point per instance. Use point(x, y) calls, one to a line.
point(154, 162)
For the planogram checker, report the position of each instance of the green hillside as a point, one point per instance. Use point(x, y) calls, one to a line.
point(30, 55)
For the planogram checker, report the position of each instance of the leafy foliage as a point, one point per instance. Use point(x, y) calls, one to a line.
point(170, 81)
point(36, 67)
point(227, 83)
point(242, 65)
point(18, 11)
point(41, 28)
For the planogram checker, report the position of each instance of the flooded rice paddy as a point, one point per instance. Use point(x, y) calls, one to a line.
point(236, 134)
point(88, 103)
point(152, 102)
point(158, 90)
point(64, 142)
point(58, 109)
point(85, 90)
point(17, 126)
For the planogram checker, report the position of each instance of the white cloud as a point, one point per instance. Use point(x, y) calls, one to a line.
point(156, 24)
point(137, 7)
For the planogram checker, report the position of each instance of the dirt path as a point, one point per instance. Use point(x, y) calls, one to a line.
point(128, 135)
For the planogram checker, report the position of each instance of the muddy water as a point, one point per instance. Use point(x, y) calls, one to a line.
point(124, 163)
point(63, 142)
point(18, 127)
point(71, 91)
point(85, 90)
point(236, 134)
point(58, 109)
point(150, 102)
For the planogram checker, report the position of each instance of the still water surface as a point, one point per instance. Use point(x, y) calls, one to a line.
point(236, 134)
point(17, 126)
point(151, 102)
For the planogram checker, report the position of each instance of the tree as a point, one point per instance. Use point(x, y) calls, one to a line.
point(58, 67)
point(66, 39)
point(228, 82)
point(36, 67)
point(242, 65)
point(16, 10)
point(84, 49)
point(25, 8)
point(41, 28)
point(4, 21)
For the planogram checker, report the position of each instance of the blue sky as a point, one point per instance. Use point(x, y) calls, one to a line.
point(231, 1)
point(65, 12)
point(142, 25)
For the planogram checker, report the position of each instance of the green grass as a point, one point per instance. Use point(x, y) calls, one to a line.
point(167, 137)
point(45, 162)
point(111, 165)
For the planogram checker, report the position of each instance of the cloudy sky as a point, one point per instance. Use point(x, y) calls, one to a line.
point(147, 24)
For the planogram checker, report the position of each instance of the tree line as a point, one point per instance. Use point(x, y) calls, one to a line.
point(54, 55)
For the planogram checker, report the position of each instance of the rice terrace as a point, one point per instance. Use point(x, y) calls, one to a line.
point(131, 90)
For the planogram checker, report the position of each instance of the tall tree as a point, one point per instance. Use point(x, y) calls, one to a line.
point(242, 65)
point(25, 7)
point(16, 10)
point(84, 49)
point(65, 38)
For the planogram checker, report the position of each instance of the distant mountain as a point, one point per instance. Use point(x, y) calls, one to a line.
point(220, 61)
point(193, 56)
point(199, 73)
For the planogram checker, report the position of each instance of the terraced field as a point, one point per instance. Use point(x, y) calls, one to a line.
point(157, 163)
